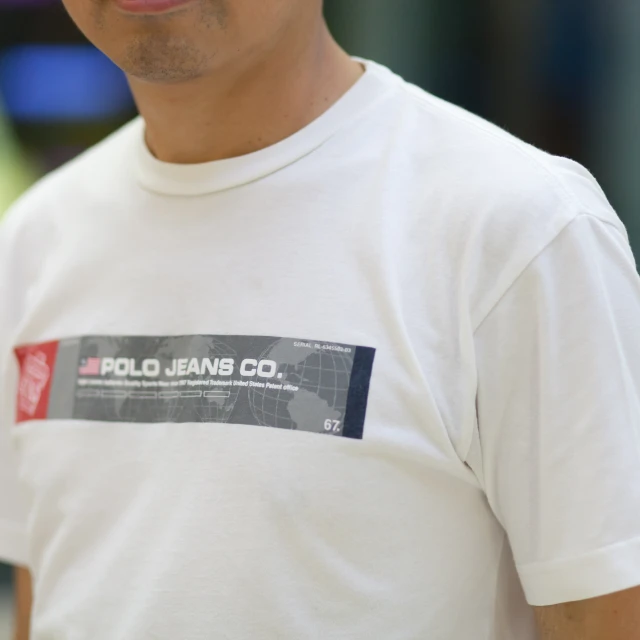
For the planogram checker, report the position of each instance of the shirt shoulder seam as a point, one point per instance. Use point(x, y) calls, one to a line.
point(429, 102)
point(534, 257)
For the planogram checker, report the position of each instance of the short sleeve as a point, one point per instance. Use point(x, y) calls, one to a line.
point(12, 499)
point(558, 405)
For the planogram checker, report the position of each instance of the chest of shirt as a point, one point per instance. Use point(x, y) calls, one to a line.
point(204, 300)
point(315, 285)
point(167, 376)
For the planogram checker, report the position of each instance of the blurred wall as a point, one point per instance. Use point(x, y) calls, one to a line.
point(15, 173)
point(616, 143)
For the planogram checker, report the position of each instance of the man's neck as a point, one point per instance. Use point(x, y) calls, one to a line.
point(236, 111)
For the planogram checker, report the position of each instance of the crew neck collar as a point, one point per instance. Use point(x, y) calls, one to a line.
point(211, 177)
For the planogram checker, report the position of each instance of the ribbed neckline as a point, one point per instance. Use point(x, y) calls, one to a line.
point(210, 177)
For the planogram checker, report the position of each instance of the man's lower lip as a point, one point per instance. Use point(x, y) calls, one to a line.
point(150, 6)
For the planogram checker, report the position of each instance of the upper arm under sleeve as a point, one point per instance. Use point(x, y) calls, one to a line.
point(12, 499)
point(559, 415)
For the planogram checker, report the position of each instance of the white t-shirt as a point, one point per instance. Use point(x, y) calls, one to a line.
point(381, 380)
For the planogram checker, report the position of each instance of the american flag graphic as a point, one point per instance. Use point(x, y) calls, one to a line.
point(89, 367)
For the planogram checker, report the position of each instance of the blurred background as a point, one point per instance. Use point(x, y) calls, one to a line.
point(562, 74)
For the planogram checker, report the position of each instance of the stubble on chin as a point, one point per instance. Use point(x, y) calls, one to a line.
point(216, 12)
point(99, 10)
point(164, 58)
point(158, 52)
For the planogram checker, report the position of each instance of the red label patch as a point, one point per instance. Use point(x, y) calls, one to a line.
point(37, 363)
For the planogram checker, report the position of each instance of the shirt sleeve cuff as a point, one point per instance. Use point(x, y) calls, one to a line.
point(608, 570)
point(13, 545)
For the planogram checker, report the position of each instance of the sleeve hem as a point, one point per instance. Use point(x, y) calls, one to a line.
point(13, 546)
point(602, 572)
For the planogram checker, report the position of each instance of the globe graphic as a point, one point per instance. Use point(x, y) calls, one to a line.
point(207, 408)
point(322, 378)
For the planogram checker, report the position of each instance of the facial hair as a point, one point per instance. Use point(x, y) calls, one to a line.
point(158, 53)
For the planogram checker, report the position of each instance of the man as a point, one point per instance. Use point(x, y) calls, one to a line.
point(306, 352)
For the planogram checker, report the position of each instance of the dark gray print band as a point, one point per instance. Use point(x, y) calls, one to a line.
point(303, 385)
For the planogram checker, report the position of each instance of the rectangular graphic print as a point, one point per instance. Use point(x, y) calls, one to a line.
point(302, 385)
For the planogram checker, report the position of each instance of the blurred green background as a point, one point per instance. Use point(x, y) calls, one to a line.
point(562, 74)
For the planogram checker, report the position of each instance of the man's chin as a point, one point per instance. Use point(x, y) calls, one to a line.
point(163, 58)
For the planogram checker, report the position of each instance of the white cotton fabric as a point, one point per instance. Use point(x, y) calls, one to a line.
point(500, 463)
